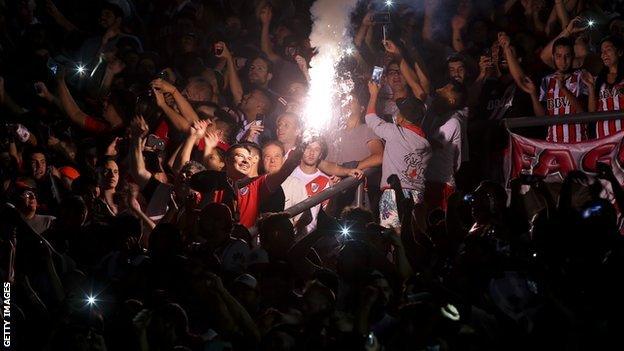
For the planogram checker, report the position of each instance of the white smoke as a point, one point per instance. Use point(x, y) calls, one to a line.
point(331, 38)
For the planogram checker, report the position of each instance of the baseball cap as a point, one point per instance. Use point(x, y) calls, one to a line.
point(69, 172)
point(247, 280)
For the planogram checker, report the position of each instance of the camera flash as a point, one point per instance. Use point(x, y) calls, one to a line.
point(349, 51)
point(80, 69)
point(344, 231)
point(388, 2)
point(91, 300)
point(591, 23)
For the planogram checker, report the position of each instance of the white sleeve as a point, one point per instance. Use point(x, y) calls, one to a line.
point(378, 125)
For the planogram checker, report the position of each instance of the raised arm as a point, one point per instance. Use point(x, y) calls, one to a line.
point(68, 104)
point(136, 162)
point(365, 26)
point(177, 120)
point(275, 180)
point(573, 27)
point(522, 80)
point(458, 24)
point(562, 13)
point(408, 73)
point(266, 14)
point(236, 87)
point(196, 132)
point(186, 110)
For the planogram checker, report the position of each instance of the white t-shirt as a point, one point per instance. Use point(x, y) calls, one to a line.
point(312, 184)
point(294, 192)
point(446, 147)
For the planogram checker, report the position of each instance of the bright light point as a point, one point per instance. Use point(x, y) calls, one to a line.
point(591, 23)
point(80, 69)
point(388, 3)
point(349, 51)
point(91, 300)
point(344, 231)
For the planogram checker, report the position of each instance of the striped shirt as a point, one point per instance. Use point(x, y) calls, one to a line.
point(558, 105)
point(610, 98)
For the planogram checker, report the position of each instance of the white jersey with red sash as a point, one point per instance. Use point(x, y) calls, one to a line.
point(314, 184)
point(558, 105)
point(610, 98)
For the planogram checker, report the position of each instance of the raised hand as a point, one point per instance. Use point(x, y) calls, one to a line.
point(528, 86)
point(198, 129)
point(266, 14)
point(211, 140)
point(577, 25)
point(163, 85)
point(391, 48)
point(42, 91)
point(138, 127)
point(373, 88)
point(588, 79)
point(253, 132)
point(160, 98)
point(503, 40)
point(301, 63)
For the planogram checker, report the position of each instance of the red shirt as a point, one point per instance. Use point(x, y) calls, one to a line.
point(558, 105)
point(248, 199)
point(610, 99)
point(94, 126)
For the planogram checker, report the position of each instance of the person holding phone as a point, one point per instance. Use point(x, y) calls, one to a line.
point(406, 153)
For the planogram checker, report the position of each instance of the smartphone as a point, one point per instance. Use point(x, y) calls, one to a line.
point(259, 119)
point(53, 65)
point(377, 74)
point(155, 142)
point(384, 29)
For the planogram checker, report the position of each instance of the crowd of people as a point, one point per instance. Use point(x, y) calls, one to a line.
point(149, 150)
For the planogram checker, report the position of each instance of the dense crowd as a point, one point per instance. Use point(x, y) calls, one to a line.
point(150, 148)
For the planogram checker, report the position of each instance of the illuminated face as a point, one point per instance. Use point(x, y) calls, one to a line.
point(38, 165)
point(395, 78)
point(110, 175)
point(609, 54)
point(457, 71)
point(563, 57)
point(215, 162)
point(272, 158)
point(287, 129)
point(253, 102)
point(312, 154)
point(296, 91)
point(259, 72)
point(239, 162)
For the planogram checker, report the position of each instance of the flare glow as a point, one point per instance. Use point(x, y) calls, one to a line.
point(331, 39)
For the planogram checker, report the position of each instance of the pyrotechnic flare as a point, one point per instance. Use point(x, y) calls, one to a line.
point(331, 39)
